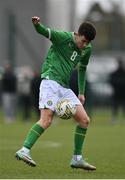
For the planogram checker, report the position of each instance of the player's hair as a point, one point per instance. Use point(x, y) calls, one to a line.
point(88, 30)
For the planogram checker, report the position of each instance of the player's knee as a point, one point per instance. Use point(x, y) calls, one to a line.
point(46, 118)
point(85, 122)
point(45, 122)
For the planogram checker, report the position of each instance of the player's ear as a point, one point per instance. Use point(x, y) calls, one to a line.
point(76, 34)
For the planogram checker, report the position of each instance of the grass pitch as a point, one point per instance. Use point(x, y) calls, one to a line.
point(104, 147)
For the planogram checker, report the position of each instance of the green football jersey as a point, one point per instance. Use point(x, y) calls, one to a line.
point(63, 56)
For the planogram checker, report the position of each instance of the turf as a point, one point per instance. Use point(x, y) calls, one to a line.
point(104, 147)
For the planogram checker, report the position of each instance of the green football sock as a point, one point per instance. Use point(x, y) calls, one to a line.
point(33, 135)
point(79, 140)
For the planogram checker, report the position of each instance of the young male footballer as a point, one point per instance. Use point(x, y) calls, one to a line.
point(67, 50)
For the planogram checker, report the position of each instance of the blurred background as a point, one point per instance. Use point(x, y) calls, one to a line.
point(22, 50)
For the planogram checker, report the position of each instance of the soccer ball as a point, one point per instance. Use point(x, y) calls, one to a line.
point(65, 109)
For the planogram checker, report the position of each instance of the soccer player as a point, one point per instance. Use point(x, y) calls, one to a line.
point(67, 50)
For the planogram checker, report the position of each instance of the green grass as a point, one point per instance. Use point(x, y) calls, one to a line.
point(104, 147)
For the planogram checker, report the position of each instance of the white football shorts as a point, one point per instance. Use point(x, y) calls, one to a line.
point(51, 92)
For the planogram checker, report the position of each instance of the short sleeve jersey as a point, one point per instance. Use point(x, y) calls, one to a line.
point(63, 56)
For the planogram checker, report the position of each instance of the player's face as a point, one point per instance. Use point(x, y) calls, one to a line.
point(81, 42)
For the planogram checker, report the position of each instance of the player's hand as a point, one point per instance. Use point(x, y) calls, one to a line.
point(81, 98)
point(35, 20)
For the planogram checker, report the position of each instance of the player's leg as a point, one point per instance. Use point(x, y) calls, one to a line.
point(33, 135)
point(47, 100)
point(81, 129)
point(82, 119)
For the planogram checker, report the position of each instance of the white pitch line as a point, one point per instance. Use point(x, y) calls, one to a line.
point(43, 144)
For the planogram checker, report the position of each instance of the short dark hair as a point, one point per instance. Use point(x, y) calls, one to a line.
point(88, 30)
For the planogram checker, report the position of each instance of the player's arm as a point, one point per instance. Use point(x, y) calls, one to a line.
point(82, 73)
point(39, 27)
point(53, 35)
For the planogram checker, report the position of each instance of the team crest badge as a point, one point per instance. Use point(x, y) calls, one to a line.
point(49, 103)
point(83, 53)
point(71, 45)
